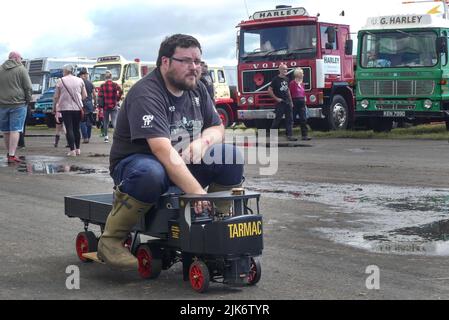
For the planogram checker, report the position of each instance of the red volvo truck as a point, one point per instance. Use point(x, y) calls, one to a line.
point(293, 37)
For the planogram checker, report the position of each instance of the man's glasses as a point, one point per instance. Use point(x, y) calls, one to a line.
point(188, 61)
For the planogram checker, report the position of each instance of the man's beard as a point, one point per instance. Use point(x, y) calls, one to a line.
point(182, 84)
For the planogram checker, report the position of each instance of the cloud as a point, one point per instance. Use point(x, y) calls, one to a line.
point(135, 28)
point(122, 29)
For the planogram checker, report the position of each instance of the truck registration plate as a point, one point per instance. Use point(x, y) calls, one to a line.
point(394, 113)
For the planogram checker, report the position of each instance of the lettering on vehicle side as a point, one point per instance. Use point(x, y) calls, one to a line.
point(246, 229)
point(331, 59)
point(280, 13)
point(274, 65)
point(175, 231)
point(400, 20)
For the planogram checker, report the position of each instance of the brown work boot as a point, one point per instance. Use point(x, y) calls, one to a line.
point(125, 213)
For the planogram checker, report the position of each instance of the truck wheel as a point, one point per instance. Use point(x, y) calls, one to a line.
point(199, 276)
point(224, 114)
point(149, 267)
point(85, 242)
point(338, 116)
point(381, 125)
point(255, 272)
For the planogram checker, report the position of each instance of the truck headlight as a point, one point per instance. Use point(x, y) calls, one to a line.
point(364, 104)
point(427, 104)
point(242, 100)
point(251, 100)
point(312, 98)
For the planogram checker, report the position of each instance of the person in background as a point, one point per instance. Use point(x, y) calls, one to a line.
point(297, 91)
point(278, 90)
point(207, 80)
point(15, 94)
point(21, 144)
point(59, 128)
point(68, 99)
point(111, 93)
point(375, 62)
point(88, 105)
point(100, 120)
point(167, 125)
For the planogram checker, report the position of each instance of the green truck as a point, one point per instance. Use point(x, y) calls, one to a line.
point(402, 71)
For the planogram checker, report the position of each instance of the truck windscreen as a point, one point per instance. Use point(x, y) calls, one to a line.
point(99, 72)
point(398, 48)
point(296, 42)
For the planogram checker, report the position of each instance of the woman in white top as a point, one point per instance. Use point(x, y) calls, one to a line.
point(69, 94)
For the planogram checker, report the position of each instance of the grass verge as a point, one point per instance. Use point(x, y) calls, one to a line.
point(424, 132)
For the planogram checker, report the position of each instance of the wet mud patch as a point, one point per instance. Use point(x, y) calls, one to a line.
point(379, 218)
point(44, 165)
point(98, 155)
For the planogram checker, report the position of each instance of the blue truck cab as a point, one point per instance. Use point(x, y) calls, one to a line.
point(43, 109)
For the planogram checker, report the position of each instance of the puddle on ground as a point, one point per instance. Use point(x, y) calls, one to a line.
point(43, 165)
point(381, 218)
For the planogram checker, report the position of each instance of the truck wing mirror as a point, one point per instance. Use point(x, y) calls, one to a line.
point(348, 47)
point(331, 34)
point(442, 45)
point(125, 73)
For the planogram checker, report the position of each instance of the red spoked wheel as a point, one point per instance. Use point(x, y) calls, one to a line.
point(149, 267)
point(199, 276)
point(255, 271)
point(86, 242)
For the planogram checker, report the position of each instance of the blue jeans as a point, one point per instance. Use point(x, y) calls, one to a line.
point(144, 178)
point(86, 126)
point(113, 113)
point(12, 119)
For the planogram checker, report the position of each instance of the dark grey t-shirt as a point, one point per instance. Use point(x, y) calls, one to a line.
point(280, 88)
point(151, 111)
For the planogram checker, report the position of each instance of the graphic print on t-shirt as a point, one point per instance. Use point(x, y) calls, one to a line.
point(150, 111)
point(185, 126)
point(284, 86)
point(147, 119)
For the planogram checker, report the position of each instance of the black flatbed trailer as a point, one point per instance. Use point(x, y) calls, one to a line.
point(211, 246)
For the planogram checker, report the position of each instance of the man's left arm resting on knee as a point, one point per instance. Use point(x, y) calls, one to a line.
point(176, 169)
point(198, 147)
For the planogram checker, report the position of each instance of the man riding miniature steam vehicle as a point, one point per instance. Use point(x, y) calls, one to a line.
point(167, 147)
point(166, 128)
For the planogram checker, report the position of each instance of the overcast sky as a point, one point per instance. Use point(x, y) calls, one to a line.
point(135, 28)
